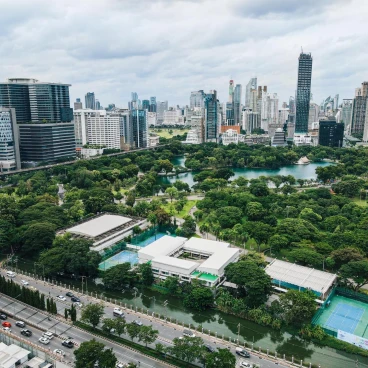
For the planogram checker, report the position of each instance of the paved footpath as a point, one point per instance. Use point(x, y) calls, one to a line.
point(167, 330)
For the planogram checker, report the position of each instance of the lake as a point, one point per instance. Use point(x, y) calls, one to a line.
point(298, 171)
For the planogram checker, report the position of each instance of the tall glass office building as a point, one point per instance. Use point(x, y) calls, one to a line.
point(211, 104)
point(303, 92)
point(135, 129)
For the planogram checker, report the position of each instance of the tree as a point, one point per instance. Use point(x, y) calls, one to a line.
point(91, 353)
point(188, 349)
point(298, 306)
point(92, 313)
point(260, 232)
point(278, 242)
point(108, 324)
point(73, 313)
point(228, 216)
point(171, 283)
point(253, 282)
point(221, 358)
point(147, 335)
point(309, 215)
point(119, 325)
point(38, 237)
point(301, 182)
point(355, 274)
point(307, 256)
point(255, 211)
point(117, 277)
point(133, 330)
point(172, 192)
point(147, 277)
point(345, 255)
point(66, 313)
point(130, 200)
point(200, 298)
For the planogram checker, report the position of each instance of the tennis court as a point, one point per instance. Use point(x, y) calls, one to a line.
point(122, 257)
point(345, 314)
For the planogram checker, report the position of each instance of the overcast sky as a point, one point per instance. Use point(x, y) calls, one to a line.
point(169, 48)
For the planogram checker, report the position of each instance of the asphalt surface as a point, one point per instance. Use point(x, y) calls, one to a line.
point(167, 331)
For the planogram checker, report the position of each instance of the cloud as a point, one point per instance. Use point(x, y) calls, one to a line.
point(168, 48)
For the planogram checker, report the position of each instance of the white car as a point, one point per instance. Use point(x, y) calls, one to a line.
point(48, 335)
point(78, 304)
point(246, 364)
point(24, 282)
point(7, 329)
point(61, 297)
point(59, 352)
point(137, 322)
point(44, 340)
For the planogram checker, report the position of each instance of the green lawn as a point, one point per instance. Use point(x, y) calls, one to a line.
point(360, 202)
point(165, 132)
point(184, 212)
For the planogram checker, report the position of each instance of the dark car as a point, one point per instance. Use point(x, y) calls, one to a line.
point(74, 299)
point(242, 352)
point(3, 316)
point(70, 294)
point(26, 332)
point(209, 348)
point(68, 343)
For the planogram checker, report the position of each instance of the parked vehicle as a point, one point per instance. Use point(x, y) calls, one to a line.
point(188, 333)
point(11, 274)
point(61, 297)
point(69, 293)
point(210, 348)
point(242, 352)
point(26, 332)
point(75, 299)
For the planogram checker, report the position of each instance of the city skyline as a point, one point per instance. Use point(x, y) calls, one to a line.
point(170, 65)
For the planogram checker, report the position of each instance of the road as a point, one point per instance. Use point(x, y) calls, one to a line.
point(167, 331)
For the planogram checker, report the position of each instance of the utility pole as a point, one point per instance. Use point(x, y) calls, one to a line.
point(238, 331)
point(166, 302)
point(84, 278)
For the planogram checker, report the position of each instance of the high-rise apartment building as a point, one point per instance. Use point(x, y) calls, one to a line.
point(303, 92)
point(251, 86)
point(251, 120)
point(313, 114)
point(229, 114)
point(346, 113)
point(161, 108)
point(212, 117)
point(90, 101)
point(138, 129)
point(78, 104)
point(270, 110)
point(261, 91)
point(98, 105)
point(359, 113)
point(145, 105)
point(197, 99)
point(237, 104)
point(9, 145)
point(292, 105)
point(36, 101)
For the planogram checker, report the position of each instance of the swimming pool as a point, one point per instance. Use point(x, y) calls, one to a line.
point(122, 257)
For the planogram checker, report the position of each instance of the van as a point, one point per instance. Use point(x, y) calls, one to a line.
point(118, 312)
point(49, 335)
point(188, 333)
point(242, 352)
point(11, 274)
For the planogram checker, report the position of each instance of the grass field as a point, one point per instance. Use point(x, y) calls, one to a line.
point(184, 212)
point(165, 132)
point(360, 202)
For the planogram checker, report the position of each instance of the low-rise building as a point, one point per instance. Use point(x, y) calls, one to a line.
point(153, 140)
point(231, 136)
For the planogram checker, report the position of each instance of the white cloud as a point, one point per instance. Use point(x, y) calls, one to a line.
point(168, 48)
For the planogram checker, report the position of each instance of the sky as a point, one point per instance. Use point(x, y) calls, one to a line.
point(168, 48)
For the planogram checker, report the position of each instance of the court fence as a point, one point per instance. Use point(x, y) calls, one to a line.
point(137, 239)
point(348, 293)
point(109, 252)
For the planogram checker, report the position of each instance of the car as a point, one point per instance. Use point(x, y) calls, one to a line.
point(59, 352)
point(210, 348)
point(61, 297)
point(26, 332)
point(44, 340)
point(121, 365)
point(11, 274)
point(245, 364)
point(75, 299)
point(3, 316)
point(188, 333)
point(20, 324)
point(137, 322)
point(7, 329)
point(6, 324)
point(24, 282)
point(242, 352)
point(69, 293)
point(49, 335)
point(68, 343)
point(77, 304)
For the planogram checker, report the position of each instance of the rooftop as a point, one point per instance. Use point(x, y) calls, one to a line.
point(301, 276)
point(99, 225)
point(175, 262)
point(162, 247)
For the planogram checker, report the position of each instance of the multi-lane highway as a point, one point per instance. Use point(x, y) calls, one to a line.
point(167, 331)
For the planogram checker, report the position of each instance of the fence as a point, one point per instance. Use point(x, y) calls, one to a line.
point(348, 293)
point(113, 250)
point(151, 232)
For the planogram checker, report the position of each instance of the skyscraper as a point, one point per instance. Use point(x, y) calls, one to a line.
point(78, 104)
point(252, 85)
point(237, 104)
point(212, 122)
point(161, 108)
point(138, 129)
point(145, 104)
point(359, 114)
point(303, 92)
point(346, 113)
point(98, 105)
point(197, 99)
point(9, 145)
point(90, 102)
point(331, 134)
point(270, 110)
point(153, 104)
point(36, 101)
point(231, 91)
